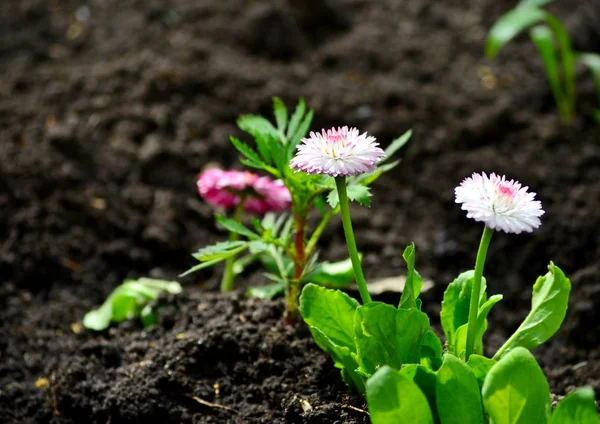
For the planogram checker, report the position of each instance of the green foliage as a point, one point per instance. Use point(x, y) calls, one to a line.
point(480, 366)
point(552, 41)
point(592, 61)
point(578, 407)
point(457, 393)
point(515, 390)
point(413, 283)
point(395, 398)
point(548, 309)
point(130, 300)
point(335, 275)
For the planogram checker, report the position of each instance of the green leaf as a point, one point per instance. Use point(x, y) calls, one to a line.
point(130, 300)
point(455, 306)
point(431, 350)
point(578, 407)
point(426, 380)
point(268, 291)
point(397, 144)
point(237, 227)
point(543, 38)
point(385, 335)
point(534, 3)
point(395, 398)
point(281, 114)
point(369, 178)
point(548, 309)
point(331, 311)
point(203, 265)
point(482, 314)
point(331, 274)
point(296, 118)
point(510, 25)
point(480, 365)
point(251, 158)
point(222, 250)
point(413, 283)
point(356, 192)
point(515, 390)
point(256, 125)
point(457, 393)
point(592, 61)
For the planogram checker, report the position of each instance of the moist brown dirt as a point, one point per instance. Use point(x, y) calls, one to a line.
point(109, 109)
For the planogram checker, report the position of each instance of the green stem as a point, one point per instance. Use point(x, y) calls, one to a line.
point(314, 239)
point(227, 282)
point(476, 290)
point(340, 182)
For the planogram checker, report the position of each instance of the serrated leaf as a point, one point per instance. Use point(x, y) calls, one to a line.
point(395, 398)
point(356, 192)
point(296, 118)
point(578, 407)
point(281, 114)
point(251, 158)
point(300, 132)
point(236, 227)
point(457, 393)
point(413, 283)
point(397, 144)
point(256, 125)
point(515, 390)
point(221, 250)
point(510, 25)
point(548, 309)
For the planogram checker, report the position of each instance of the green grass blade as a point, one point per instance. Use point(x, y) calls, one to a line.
point(568, 61)
point(509, 26)
point(543, 39)
point(534, 3)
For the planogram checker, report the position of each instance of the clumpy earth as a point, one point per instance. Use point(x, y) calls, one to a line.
point(109, 109)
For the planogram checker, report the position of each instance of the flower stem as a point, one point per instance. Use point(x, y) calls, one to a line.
point(476, 290)
point(227, 282)
point(293, 292)
point(340, 182)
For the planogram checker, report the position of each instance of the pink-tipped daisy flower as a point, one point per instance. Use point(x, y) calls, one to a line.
point(342, 151)
point(225, 189)
point(499, 203)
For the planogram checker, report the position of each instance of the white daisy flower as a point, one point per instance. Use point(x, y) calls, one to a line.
point(499, 203)
point(342, 151)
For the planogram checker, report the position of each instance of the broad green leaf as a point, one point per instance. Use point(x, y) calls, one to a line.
point(397, 144)
point(515, 390)
point(331, 311)
point(431, 350)
point(128, 301)
point(426, 380)
point(237, 227)
point(543, 38)
point(331, 274)
point(413, 283)
point(281, 114)
point(534, 3)
point(548, 309)
point(455, 306)
point(385, 335)
point(395, 398)
point(268, 291)
point(457, 393)
point(484, 310)
point(480, 365)
point(221, 250)
point(510, 25)
point(343, 358)
point(578, 407)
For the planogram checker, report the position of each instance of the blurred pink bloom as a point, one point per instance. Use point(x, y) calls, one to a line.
point(341, 151)
point(499, 203)
point(224, 188)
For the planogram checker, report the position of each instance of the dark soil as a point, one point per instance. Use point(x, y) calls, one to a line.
point(109, 109)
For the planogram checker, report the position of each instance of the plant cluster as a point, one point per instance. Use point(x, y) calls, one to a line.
point(553, 43)
point(283, 242)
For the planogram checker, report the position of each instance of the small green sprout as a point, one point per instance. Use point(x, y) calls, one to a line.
point(553, 43)
point(130, 300)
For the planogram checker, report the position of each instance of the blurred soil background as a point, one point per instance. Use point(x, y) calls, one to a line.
point(108, 111)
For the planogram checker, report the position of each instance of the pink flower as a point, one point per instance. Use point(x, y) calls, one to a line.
point(341, 151)
point(225, 188)
point(499, 203)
